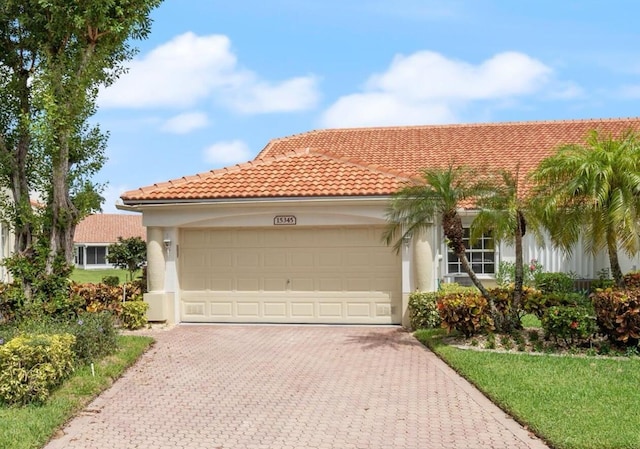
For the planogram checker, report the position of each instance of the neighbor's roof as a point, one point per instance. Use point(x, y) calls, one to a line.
point(376, 161)
point(106, 228)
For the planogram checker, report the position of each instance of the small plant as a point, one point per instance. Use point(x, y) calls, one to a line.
point(506, 273)
point(491, 341)
point(506, 342)
point(474, 342)
point(111, 281)
point(96, 336)
point(423, 310)
point(133, 314)
point(605, 348)
point(521, 347)
point(554, 282)
point(569, 323)
point(533, 335)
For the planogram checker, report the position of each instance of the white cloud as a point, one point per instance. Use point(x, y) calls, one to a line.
point(185, 123)
point(427, 87)
point(290, 95)
point(190, 69)
point(227, 153)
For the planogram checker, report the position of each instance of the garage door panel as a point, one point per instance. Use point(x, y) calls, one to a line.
point(303, 275)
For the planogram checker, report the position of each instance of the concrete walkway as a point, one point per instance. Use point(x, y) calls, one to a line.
point(297, 387)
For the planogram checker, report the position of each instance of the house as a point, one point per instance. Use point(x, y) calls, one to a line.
point(294, 236)
point(96, 232)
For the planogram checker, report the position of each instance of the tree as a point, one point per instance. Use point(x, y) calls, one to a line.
point(129, 254)
point(506, 214)
point(440, 193)
point(592, 191)
point(54, 56)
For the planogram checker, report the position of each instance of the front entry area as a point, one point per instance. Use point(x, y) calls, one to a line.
point(337, 275)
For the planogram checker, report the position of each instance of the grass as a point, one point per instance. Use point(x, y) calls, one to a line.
point(571, 402)
point(95, 276)
point(31, 427)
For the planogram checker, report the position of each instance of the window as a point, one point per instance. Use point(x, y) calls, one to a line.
point(96, 255)
point(481, 256)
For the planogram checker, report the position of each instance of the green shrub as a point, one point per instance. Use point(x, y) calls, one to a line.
point(11, 300)
point(133, 314)
point(466, 312)
point(111, 281)
point(618, 314)
point(96, 336)
point(423, 307)
point(423, 310)
point(554, 282)
point(538, 303)
point(32, 365)
point(571, 324)
point(95, 333)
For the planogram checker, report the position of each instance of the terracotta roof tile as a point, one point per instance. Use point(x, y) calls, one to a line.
point(295, 174)
point(376, 161)
point(106, 228)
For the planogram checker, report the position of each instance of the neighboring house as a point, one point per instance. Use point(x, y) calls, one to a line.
point(96, 232)
point(294, 236)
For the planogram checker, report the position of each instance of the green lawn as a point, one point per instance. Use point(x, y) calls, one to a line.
point(571, 402)
point(31, 427)
point(95, 276)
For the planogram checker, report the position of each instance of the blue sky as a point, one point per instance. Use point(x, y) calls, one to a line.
point(216, 80)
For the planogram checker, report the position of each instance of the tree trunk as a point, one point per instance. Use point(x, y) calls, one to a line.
point(63, 212)
point(454, 231)
point(514, 319)
point(612, 249)
point(23, 224)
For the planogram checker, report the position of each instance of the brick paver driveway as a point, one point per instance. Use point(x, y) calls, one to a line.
point(243, 387)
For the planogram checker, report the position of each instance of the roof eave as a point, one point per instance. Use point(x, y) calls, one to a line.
point(133, 205)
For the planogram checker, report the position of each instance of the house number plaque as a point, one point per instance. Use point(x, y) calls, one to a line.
point(284, 220)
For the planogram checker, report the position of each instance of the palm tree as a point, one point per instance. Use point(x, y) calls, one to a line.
point(593, 191)
point(504, 213)
point(416, 207)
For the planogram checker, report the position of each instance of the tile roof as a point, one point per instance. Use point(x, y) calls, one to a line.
point(376, 161)
point(106, 228)
point(301, 173)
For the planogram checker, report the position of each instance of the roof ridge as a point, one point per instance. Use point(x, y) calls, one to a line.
point(461, 125)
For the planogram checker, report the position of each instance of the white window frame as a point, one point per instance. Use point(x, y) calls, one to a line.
point(476, 254)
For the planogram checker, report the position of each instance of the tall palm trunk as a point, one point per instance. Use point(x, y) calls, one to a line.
point(612, 249)
point(454, 232)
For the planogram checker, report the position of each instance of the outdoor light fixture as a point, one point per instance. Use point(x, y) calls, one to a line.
point(406, 240)
point(167, 244)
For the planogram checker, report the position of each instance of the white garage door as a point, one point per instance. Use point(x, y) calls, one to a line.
point(289, 275)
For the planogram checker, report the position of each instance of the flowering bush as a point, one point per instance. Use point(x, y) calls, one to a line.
point(571, 324)
point(507, 273)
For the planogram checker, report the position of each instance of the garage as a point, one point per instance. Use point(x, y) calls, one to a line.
point(289, 275)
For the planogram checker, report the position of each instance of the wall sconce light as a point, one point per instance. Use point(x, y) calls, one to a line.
point(167, 244)
point(406, 240)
